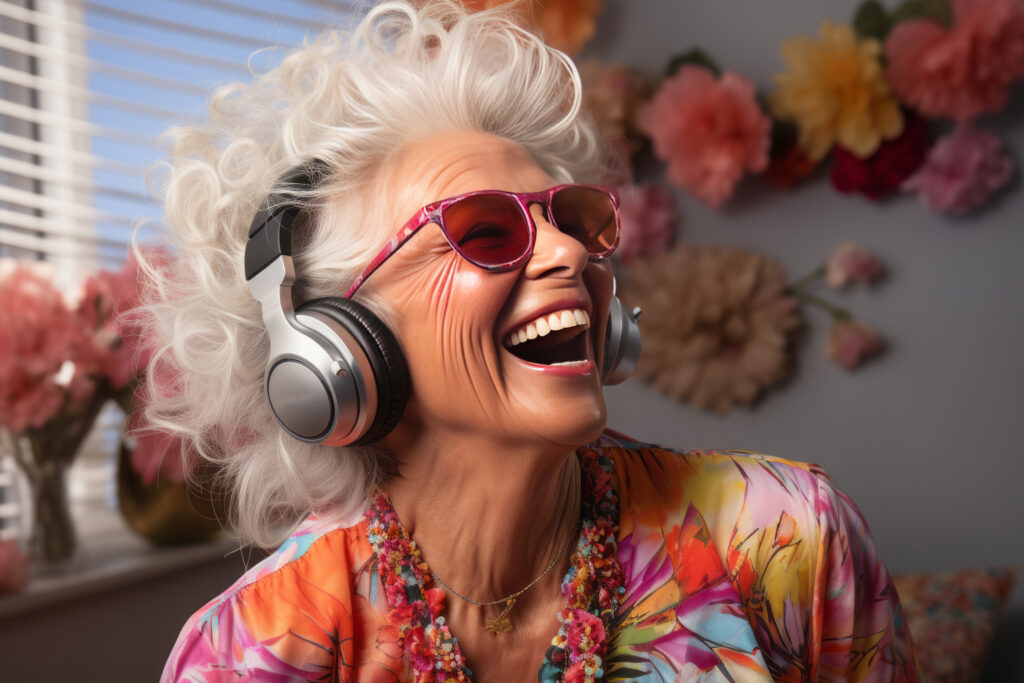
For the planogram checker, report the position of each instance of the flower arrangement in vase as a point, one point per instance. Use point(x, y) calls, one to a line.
point(62, 358)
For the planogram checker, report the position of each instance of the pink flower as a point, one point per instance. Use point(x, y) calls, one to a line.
point(962, 170)
point(586, 631)
point(851, 263)
point(648, 214)
point(962, 71)
point(709, 131)
point(850, 343)
point(155, 454)
point(13, 568)
point(38, 334)
point(105, 308)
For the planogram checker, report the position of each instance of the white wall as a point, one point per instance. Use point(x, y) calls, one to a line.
point(926, 439)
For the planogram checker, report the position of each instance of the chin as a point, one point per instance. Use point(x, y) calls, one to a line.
point(572, 426)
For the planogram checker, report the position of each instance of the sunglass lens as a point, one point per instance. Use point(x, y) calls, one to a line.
point(588, 214)
point(488, 229)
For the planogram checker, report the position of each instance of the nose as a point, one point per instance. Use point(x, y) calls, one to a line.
point(554, 253)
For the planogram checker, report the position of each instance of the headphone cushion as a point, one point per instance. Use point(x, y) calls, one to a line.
point(390, 371)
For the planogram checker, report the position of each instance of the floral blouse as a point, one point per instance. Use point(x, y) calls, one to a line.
point(736, 567)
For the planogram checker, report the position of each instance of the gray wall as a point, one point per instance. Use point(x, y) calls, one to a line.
point(925, 439)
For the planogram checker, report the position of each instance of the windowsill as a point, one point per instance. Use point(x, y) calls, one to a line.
point(109, 555)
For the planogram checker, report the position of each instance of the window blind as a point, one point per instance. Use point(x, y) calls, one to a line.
point(86, 88)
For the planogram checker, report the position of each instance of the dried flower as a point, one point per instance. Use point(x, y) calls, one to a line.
point(962, 71)
point(836, 93)
point(566, 25)
point(961, 172)
point(648, 214)
point(13, 567)
point(851, 263)
point(709, 131)
point(884, 171)
point(717, 324)
point(851, 342)
point(614, 96)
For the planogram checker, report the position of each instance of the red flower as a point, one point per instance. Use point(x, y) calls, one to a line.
point(575, 673)
point(434, 599)
point(884, 171)
point(787, 169)
point(418, 650)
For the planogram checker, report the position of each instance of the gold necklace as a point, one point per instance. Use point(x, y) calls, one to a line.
point(503, 623)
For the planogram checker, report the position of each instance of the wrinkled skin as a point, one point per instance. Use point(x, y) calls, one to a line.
point(453, 315)
point(487, 485)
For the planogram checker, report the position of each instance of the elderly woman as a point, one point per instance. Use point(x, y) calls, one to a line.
point(390, 331)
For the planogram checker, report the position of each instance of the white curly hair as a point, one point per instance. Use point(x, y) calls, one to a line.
point(354, 101)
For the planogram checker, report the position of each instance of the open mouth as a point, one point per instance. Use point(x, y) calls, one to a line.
point(557, 338)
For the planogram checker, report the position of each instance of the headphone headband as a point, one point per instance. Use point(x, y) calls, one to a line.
point(270, 233)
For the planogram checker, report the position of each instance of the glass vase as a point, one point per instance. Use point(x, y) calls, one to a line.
point(52, 538)
point(44, 455)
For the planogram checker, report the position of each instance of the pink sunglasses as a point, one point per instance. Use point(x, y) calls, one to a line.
point(494, 230)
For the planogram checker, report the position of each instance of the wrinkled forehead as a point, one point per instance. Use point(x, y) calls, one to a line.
point(455, 162)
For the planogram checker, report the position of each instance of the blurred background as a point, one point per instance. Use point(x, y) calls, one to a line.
point(903, 383)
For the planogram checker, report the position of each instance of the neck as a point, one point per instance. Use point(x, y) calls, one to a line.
point(488, 520)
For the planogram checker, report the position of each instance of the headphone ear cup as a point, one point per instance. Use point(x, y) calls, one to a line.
point(621, 343)
point(390, 372)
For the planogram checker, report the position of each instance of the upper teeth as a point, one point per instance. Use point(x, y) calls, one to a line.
point(543, 325)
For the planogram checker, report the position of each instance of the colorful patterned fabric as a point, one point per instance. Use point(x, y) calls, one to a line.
point(737, 567)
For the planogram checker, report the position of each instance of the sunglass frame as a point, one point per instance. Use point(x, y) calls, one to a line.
point(434, 213)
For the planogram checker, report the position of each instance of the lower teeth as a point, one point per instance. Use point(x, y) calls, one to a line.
point(568, 363)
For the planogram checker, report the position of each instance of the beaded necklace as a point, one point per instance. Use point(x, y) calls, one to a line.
point(592, 589)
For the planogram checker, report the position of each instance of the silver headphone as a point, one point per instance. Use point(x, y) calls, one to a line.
point(336, 374)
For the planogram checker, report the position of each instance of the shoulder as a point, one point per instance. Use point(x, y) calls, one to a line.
point(285, 614)
point(795, 549)
point(718, 483)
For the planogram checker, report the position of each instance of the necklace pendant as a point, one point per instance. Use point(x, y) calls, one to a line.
point(502, 623)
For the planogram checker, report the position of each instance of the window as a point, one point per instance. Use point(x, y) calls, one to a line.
point(86, 88)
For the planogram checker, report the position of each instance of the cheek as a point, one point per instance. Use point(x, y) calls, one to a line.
point(447, 329)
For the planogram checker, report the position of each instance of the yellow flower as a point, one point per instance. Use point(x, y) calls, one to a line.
point(836, 93)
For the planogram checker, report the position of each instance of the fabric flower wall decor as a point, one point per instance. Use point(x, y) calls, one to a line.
point(883, 172)
point(709, 130)
point(717, 324)
point(961, 71)
point(648, 214)
point(836, 92)
point(860, 98)
point(961, 171)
